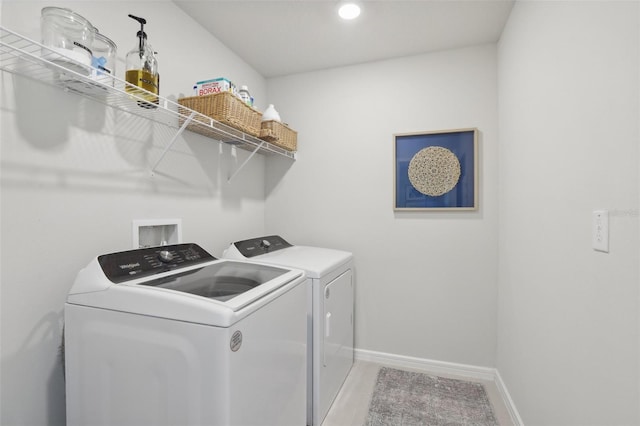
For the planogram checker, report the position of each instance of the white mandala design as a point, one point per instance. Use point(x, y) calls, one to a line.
point(434, 171)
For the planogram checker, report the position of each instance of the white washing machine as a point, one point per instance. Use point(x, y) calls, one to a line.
point(331, 338)
point(173, 336)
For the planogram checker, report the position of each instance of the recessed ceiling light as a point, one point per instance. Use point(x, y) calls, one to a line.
point(349, 11)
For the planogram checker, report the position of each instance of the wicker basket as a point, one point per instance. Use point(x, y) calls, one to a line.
point(227, 109)
point(279, 134)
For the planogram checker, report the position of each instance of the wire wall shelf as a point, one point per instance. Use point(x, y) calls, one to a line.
point(22, 56)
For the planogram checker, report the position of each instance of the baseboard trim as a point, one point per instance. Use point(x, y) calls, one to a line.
point(468, 371)
point(506, 397)
point(442, 367)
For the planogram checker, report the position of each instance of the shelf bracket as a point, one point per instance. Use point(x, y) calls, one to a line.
point(173, 140)
point(245, 161)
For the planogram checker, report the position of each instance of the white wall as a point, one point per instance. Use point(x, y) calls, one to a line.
point(568, 316)
point(75, 174)
point(426, 282)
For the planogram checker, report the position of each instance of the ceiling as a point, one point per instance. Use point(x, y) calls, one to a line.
point(291, 36)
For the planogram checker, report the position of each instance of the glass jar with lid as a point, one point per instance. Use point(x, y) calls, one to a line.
point(104, 58)
point(68, 39)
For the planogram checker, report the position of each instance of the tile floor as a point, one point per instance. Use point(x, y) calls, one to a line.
point(352, 403)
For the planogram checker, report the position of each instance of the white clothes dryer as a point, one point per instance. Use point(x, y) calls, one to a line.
point(331, 308)
point(172, 336)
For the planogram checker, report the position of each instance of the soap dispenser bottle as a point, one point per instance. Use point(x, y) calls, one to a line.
point(142, 69)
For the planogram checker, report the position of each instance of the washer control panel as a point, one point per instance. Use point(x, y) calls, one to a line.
point(261, 245)
point(129, 265)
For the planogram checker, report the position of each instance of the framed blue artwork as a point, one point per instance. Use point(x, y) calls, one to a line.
point(436, 170)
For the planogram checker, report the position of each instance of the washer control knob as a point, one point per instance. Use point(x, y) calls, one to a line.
point(165, 256)
point(265, 244)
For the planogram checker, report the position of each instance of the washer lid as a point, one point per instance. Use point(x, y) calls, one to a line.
point(220, 281)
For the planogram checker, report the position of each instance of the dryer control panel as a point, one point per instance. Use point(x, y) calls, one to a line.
point(133, 264)
point(261, 245)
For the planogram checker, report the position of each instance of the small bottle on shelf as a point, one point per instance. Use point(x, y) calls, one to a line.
point(245, 96)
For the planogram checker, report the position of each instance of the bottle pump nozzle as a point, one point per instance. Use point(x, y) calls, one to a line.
point(141, 34)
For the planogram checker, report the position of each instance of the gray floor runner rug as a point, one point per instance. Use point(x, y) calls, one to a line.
point(404, 398)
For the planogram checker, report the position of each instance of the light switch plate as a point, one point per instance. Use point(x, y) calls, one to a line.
point(600, 230)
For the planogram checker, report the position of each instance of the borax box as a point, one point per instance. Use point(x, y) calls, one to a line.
point(216, 85)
